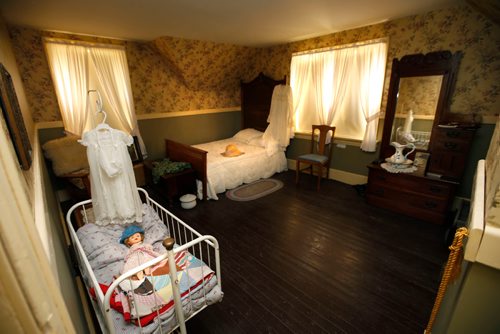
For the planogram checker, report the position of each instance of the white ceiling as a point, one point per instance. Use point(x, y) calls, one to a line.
point(242, 22)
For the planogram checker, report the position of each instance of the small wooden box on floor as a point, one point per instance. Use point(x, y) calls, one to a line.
point(173, 185)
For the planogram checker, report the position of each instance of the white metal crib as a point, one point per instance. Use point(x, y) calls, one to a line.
point(182, 238)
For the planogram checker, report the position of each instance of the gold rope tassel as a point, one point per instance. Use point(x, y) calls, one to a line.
point(451, 272)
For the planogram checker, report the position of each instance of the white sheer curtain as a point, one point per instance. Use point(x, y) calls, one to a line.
point(69, 67)
point(300, 81)
point(113, 76)
point(371, 69)
point(334, 74)
point(331, 87)
point(76, 69)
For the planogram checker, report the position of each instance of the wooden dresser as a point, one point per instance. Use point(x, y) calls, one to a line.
point(418, 83)
point(410, 194)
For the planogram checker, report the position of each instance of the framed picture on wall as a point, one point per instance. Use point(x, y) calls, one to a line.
point(135, 151)
point(14, 119)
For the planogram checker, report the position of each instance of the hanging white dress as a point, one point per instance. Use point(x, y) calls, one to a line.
point(115, 198)
point(280, 117)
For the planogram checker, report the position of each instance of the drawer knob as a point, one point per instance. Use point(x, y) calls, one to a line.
point(430, 204)
point(435, 189)
point(450, 145)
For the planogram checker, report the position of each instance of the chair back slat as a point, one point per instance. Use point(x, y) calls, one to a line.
point(322, 137)
point(312, 159)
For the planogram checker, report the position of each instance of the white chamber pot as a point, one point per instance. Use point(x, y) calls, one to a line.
point(188, 201)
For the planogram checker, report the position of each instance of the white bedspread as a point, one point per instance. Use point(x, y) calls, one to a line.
point(229, 172)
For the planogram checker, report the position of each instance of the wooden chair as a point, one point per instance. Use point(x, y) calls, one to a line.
point(319, 156)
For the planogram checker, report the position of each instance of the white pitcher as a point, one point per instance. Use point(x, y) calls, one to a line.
point(399, 157)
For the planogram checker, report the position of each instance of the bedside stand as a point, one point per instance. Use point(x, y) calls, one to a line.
point(172, 185)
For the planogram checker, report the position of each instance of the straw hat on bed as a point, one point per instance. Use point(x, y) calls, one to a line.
point(232, 151)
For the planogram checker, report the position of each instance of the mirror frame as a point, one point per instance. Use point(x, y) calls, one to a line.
point(434, 63)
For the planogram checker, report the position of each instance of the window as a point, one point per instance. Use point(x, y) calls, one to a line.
point(341, 87)
point(77, 70)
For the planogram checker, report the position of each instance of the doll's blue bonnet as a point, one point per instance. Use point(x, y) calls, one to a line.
point(129, 231)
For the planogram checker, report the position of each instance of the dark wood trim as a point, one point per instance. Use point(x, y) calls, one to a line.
point(14, 119)
point(256, 98)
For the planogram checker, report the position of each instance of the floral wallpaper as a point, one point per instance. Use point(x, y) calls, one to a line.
point(459, 28)
point(172, 74)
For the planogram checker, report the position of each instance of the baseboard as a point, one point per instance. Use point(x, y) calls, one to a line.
point(338, 175)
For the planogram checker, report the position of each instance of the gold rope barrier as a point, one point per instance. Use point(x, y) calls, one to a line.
point(451, 272)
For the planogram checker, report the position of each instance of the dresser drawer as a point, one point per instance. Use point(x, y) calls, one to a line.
point(409, 201)
point(447, 163)
point(389, 204)
point(452, 140)
point(410, 184)
point(449, 145)
point(463, 135)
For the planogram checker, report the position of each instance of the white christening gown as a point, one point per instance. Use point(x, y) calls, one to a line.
point(115, 198)
point(280, 117)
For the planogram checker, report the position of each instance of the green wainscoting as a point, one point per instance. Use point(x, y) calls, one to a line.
point(349, 158)
point(195, 129)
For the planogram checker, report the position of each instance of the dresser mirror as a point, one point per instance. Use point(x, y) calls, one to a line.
point(416, 109)
point(418, 100)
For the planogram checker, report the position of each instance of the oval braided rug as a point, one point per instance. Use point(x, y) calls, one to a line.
point(254, 190)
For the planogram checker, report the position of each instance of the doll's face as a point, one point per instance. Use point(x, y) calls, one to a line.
point(134, 239)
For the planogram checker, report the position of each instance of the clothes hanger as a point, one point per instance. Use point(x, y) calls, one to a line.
point(103, 126)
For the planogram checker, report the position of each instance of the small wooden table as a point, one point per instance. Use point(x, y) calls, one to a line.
point(172, 185)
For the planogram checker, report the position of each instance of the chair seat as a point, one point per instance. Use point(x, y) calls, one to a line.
point(313, 158)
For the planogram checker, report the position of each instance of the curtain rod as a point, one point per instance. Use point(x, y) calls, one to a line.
point(81, 43)
point(344, 46)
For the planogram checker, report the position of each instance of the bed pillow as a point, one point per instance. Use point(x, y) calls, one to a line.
point(270, 144)
point(246, 135)
point(257, 141)
point(67, 155)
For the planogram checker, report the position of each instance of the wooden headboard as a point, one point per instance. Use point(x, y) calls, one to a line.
point(256, 101)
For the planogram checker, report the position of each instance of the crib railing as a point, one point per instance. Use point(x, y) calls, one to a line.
point(182, 238)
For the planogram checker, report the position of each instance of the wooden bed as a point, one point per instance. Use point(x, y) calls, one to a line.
point(256, 101)
point(255, 105)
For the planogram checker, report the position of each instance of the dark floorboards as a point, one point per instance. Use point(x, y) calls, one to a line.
point(302, 261)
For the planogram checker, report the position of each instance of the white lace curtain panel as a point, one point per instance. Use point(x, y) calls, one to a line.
point(340, 87)
point(74, 67)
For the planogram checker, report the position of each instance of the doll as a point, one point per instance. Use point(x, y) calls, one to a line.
point(140, 252)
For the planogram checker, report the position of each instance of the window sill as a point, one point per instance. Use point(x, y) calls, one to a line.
point(336, 140)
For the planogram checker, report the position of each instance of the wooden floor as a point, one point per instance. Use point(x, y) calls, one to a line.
point(302, 261)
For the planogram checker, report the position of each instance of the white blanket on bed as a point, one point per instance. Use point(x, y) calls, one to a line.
point(259, 161)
